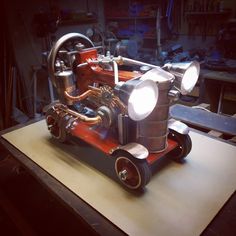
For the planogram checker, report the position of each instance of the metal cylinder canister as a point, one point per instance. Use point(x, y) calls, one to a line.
point(65, 82)
point(153, 130)
point(127, 48)
point(126, 129)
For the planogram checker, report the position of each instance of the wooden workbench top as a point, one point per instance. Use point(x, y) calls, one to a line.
point(181, 199)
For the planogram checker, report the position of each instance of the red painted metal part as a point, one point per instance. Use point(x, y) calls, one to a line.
point(95, 137)
point(93, 73)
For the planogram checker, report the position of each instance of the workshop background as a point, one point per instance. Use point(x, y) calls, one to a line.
point(151, 31)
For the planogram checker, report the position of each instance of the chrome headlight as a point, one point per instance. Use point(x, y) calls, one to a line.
point(139, 96)
point(186, 75)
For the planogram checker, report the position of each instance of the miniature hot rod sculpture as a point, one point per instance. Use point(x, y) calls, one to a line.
point(98, 95)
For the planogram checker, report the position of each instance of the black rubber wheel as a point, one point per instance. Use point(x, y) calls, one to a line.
point(184, 146)
point(132, 173)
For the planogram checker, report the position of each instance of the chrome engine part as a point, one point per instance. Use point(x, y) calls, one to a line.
point(93, 90)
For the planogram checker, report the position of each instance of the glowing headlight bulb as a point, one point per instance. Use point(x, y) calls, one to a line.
point(186, 75)
point(140, 97)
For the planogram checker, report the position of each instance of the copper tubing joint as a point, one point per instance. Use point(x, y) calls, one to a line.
point(84, 118)
point(90, 120)
point(80, 97)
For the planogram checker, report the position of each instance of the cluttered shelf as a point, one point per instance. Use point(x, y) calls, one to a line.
point(130, 17)
point(74, 18)
point(208, 13)
point(133, 19)
point(205, 22)
point(76, 22)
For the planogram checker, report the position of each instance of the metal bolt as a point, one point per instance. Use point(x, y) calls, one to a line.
point(123, 174)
